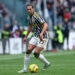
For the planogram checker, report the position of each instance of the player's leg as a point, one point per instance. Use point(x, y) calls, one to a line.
point(31, 46)
point(41, 57)
point(41, 45)
point(26, 59)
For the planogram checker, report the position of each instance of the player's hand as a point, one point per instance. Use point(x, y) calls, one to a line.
point(25, 40)
point(41, 37)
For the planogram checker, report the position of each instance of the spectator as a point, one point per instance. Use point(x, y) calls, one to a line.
point(64, 3)
point(6, 19)
point(66, 12)
point(16, 34)
point(23, 32)
point(4, 13)
point(59, 9)
point(51, 10)
point(14, 27)
point(73, 13)
point(66, 29)
point(58, 37)
point(5, 36)
point(71, 3)
point(6, 32)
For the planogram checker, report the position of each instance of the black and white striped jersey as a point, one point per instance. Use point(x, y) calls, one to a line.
point(37, 24)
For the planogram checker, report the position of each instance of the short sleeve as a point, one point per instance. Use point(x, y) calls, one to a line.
point(41, 20)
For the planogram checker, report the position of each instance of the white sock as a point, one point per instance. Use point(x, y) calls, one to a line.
point(43, 59)
point(26, 60)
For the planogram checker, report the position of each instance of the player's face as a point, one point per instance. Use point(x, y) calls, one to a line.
point(30, 10)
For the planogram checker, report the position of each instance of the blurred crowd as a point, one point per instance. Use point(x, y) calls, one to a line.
point(4, 16)
point(65, 10)
point(65, 21)
point(7, 28)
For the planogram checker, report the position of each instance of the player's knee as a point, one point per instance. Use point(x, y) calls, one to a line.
point(36, 55)
point(29, 51)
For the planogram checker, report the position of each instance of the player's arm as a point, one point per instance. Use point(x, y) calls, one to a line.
point(28, 31)
point(45, 26)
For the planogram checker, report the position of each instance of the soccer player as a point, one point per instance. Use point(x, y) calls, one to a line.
point(38, 41)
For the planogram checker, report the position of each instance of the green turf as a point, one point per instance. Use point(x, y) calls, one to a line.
point(62, 63)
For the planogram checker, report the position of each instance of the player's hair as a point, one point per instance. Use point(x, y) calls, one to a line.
point(29, 4)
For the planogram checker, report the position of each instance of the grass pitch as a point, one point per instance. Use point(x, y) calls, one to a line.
point(62, 63)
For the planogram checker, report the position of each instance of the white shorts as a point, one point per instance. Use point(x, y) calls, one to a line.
point(36, 41)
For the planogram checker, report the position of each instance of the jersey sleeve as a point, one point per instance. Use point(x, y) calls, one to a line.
point(41, 20)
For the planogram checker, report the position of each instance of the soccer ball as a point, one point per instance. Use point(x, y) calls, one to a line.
point(33, 68)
